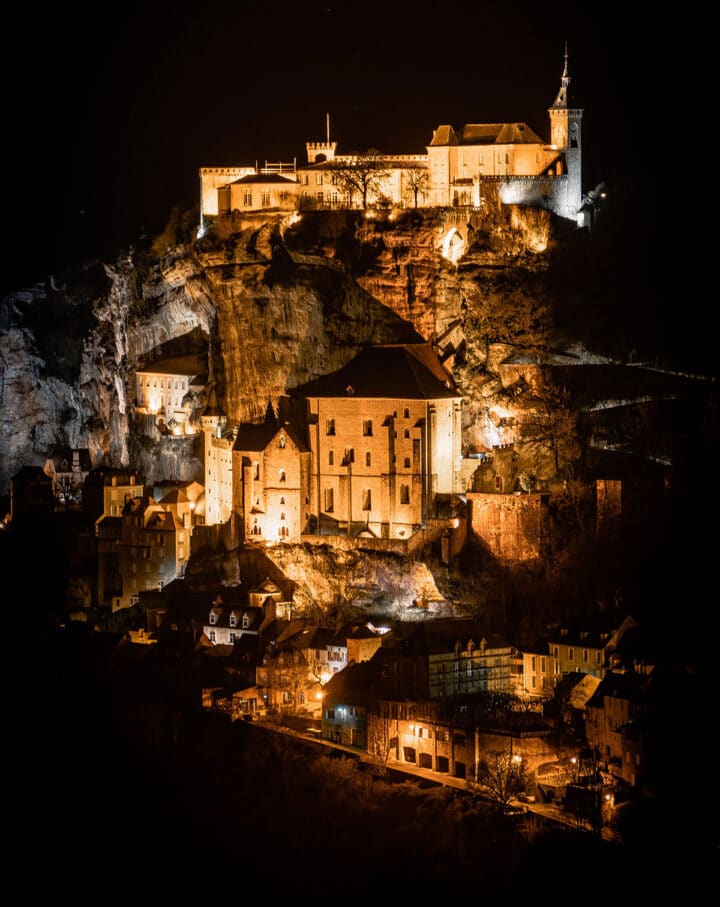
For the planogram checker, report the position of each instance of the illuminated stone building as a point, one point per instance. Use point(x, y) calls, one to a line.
point(68, 471)
point(385, 436)
point(218, 446)
point(384, 452)
point(271, 481)
point(145, 547)
point(460, 165)
point(166, 393)
point(107, 489)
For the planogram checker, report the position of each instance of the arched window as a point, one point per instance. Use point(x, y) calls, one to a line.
point(331, 457)
point(282, 475)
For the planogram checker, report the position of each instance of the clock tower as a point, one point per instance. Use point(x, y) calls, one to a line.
point(566, 137)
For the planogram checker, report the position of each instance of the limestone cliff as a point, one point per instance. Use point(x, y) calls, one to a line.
point(270, 305)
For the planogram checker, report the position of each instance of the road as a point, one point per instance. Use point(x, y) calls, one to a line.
point(550, 811)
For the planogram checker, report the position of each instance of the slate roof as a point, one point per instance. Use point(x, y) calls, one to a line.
point(263, 178)
point(486, 134)
point(407, 371)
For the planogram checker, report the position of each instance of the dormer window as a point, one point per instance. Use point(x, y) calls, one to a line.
point(245, 621)
point(233, 620)
point(213, 617)
point(282, 440)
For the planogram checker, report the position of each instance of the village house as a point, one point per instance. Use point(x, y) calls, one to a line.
point(143, 548)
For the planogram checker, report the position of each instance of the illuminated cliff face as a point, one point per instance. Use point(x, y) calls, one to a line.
point(268, 311)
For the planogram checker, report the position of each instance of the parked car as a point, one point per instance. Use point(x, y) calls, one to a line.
point(526, 798)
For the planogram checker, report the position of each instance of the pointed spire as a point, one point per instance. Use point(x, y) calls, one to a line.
point(562, 96)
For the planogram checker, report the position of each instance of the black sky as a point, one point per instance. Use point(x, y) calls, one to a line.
point(110, 112)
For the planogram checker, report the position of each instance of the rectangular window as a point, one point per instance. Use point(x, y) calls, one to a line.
point(532, 663)
point(318, 179)
point(330, 427)
point(247, 199)
point(542, 665)
point(498, 483)
point(404, 494)
point(265, 198)
point(329, 500)
point(367, 501)
point(319, 197)
point(586, 656)
point(331, 458)
point(571, 655)
point(367, 428)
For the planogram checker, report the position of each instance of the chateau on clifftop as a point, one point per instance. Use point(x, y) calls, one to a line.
point(458, 167)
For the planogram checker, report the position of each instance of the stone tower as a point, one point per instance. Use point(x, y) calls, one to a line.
point(566, 135)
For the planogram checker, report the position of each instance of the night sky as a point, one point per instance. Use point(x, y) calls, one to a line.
point(110, 117)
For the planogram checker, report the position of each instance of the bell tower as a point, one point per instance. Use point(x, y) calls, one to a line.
point(566, 137)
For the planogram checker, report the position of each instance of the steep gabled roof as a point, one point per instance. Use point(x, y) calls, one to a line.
point(404, 371)
point(499, 134)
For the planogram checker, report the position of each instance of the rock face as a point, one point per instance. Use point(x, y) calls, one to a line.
point(271, 304)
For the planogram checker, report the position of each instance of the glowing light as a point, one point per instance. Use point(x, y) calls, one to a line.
point(455, 523)
point(453, 246)
point(318, 695)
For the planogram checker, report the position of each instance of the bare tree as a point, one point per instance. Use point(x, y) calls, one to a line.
point(503, 775)
point(286, 676)
point(417, 181)
point(380, 740)
point(361, 174)
point(551, 426)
